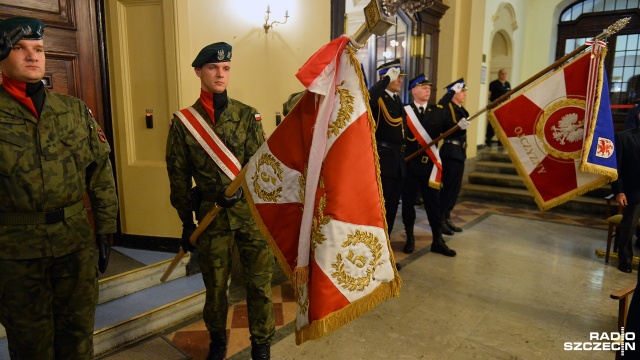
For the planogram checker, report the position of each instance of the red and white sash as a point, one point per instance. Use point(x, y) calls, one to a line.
point(435, 179)
point(210, 142)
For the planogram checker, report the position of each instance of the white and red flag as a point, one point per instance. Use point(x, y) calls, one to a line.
point(559, 131)
point(314, 189)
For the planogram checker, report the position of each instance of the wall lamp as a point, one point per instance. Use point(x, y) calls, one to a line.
point(268, 25)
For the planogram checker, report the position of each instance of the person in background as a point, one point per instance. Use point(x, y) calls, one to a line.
point(633, 121)
point(431, 119)
point(237, 128)
point(497, 88)
point(453, 151)
point(52, 153)
point(388, 115)
point(627, 191)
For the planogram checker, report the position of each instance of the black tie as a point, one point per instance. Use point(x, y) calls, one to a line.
point(396, 98)
point(421, 110)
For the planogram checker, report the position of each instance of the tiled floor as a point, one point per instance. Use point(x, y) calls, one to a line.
point(193, 339)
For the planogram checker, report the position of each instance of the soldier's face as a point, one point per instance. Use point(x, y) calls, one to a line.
point(26, 61)
point(460, 97)
point(421, 93)
point(214, 77)
point(396, 85)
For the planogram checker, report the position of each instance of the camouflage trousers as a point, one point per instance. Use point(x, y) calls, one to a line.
point(215, 250)
point(47, 306)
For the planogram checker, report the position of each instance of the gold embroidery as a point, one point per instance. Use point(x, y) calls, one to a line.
point(345, 112)
point(317, 237)
point(391, 121)
point(358, 283)
point(571, 124)
point(265, 163)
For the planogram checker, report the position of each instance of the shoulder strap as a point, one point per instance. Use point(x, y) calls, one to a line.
point(210, 142)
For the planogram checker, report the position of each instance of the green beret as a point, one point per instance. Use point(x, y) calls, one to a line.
point(33, 28)
point(214, 53)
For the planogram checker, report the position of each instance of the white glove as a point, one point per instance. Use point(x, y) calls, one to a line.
point(457, 87)
point(464, 123)
point(393, 74)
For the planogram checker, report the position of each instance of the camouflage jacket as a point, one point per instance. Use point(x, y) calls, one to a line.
point(241, 132)
point(50, 163)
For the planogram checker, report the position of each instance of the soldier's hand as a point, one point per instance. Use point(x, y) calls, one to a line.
point(393, 74)
point(185, 242)
point(7, 40)
point(464, 123)
point(104, 249)
point(227, 202)
point(457, 87)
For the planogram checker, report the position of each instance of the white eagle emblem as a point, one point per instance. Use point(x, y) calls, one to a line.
point(220, 54)
point(568, 129)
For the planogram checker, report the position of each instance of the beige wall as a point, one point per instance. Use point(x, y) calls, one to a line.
point(151, 45)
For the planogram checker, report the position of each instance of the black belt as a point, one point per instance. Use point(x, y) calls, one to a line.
point(388, 145)
point(456, 142)
point(49, 217)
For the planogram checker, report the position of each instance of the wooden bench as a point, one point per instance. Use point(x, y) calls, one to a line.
point(623, 297)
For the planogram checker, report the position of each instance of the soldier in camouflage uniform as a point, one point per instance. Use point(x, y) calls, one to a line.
point(240, 128)
point(52, 152)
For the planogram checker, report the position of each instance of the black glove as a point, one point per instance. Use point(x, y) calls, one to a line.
point(227, 202)
point(8, 40)
point(104, 249)
point(185, 243)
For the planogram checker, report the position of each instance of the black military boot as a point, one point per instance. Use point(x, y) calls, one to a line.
point(218, 347)
point(410, 245)
point(439, 246)
point(447, 220)
point(446, 230)
point(260, 351)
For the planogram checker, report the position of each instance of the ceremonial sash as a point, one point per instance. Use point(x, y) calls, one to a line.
point(210, 142)
point(435, 179)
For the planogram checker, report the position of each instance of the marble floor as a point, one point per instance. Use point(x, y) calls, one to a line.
point(524, 282)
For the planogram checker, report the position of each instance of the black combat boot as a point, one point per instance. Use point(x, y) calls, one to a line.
point(447, 220)
point(260, 351)
point(446, 230)
point(439, 246)
point(410, 245)
point(218, 347)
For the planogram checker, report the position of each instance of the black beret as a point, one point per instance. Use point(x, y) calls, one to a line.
point(214, 53)
point(33, 28)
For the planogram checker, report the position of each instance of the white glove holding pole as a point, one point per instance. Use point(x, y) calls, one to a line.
point(457, 87)
point(464, 123)
point(393, 74)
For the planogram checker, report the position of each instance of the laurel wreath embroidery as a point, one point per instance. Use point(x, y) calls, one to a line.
point(317, 237)
point(264, 177)
point(344, 114)
point(348, 281)
point(564, 123)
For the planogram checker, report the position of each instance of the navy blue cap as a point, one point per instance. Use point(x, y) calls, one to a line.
point(419, 80)
point(461, 80)
point(382, 69)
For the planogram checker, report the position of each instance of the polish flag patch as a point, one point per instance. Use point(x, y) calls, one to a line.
point(258, 117)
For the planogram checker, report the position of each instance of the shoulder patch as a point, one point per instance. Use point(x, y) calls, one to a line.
point(258, 117)
point(102, 136)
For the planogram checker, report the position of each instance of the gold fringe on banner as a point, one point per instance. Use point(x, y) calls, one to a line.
point(584, 165)
point(339, 318)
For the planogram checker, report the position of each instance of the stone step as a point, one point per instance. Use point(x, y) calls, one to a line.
point(521, 196)
point(496, 179)
point(496, 167)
